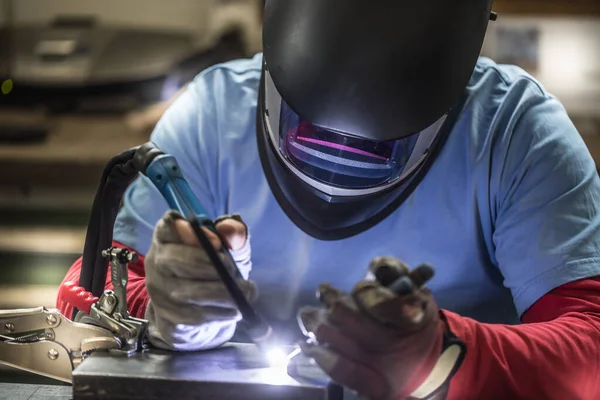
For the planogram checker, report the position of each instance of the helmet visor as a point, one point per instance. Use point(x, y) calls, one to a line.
point(340, 163)
point(341, 160)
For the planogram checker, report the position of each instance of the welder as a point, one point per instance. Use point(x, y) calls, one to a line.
point(369, 129)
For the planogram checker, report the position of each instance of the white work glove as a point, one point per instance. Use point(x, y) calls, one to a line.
point(190, 308)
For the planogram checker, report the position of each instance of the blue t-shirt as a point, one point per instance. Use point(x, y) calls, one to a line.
point(508, 211)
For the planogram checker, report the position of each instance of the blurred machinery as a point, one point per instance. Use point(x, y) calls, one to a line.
point(113, 56)
point(78, 69)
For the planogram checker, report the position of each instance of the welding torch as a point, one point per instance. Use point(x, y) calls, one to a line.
point(164, 172)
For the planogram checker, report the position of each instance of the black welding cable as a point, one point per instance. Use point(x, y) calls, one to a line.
point(116, 177)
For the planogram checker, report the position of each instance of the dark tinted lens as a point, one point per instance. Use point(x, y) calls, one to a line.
point(309, 133)
point(336, 159)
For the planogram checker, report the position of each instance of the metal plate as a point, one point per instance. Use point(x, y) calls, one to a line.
point(235, 371)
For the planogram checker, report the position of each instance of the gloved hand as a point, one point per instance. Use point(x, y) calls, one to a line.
point(382, 345)
point(189, 307)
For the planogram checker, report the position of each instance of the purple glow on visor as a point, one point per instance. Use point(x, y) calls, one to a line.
point(341, 147)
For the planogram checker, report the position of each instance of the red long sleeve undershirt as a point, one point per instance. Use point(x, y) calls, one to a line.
point(137, 296)
point(554, 354)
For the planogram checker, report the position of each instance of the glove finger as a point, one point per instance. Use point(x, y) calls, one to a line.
point(421, 275)
point(185, 261)
point(188, 236)
point(233, 230)
point(185, 292)
point(344, 314)
point(173, 228)
point(405, 284)
point(387, 269)
point(211, 294)
point(232, 235)
point(187, 302)
point(248, 288)
point(164, 231)
point(365, 381)
point(193, 315)
point(309, 318)
point(405, 313)
point(182, 293)
point(182, 261)
point(174, 240)
point(314, 322)
point(328, 294)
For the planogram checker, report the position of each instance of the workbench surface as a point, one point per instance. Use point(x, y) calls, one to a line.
point(26, 391)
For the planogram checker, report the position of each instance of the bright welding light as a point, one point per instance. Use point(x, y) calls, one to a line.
point(277, 357)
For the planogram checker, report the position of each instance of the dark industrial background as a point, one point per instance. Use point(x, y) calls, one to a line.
point(83, 80)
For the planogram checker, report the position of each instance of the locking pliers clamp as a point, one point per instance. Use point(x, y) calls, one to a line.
point(45, 342)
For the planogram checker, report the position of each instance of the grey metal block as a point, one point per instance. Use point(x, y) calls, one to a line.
point(235, 371)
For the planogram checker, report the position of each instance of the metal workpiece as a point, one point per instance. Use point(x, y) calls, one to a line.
point(44, 342)
point(234, 371)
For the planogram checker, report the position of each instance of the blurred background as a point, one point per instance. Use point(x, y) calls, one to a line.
point(83, 80)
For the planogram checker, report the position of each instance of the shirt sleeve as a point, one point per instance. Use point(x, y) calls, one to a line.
point(547, 224)
point(137, 296)
point(186, 131)
point(553, 355)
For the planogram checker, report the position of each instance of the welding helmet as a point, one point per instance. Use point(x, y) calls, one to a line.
point(355, 101)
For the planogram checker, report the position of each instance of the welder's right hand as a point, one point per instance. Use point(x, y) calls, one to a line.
point(189, 307)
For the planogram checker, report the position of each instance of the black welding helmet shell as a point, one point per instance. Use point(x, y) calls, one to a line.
point(356, 99)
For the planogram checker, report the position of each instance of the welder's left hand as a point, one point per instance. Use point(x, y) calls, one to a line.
point(380, 344)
